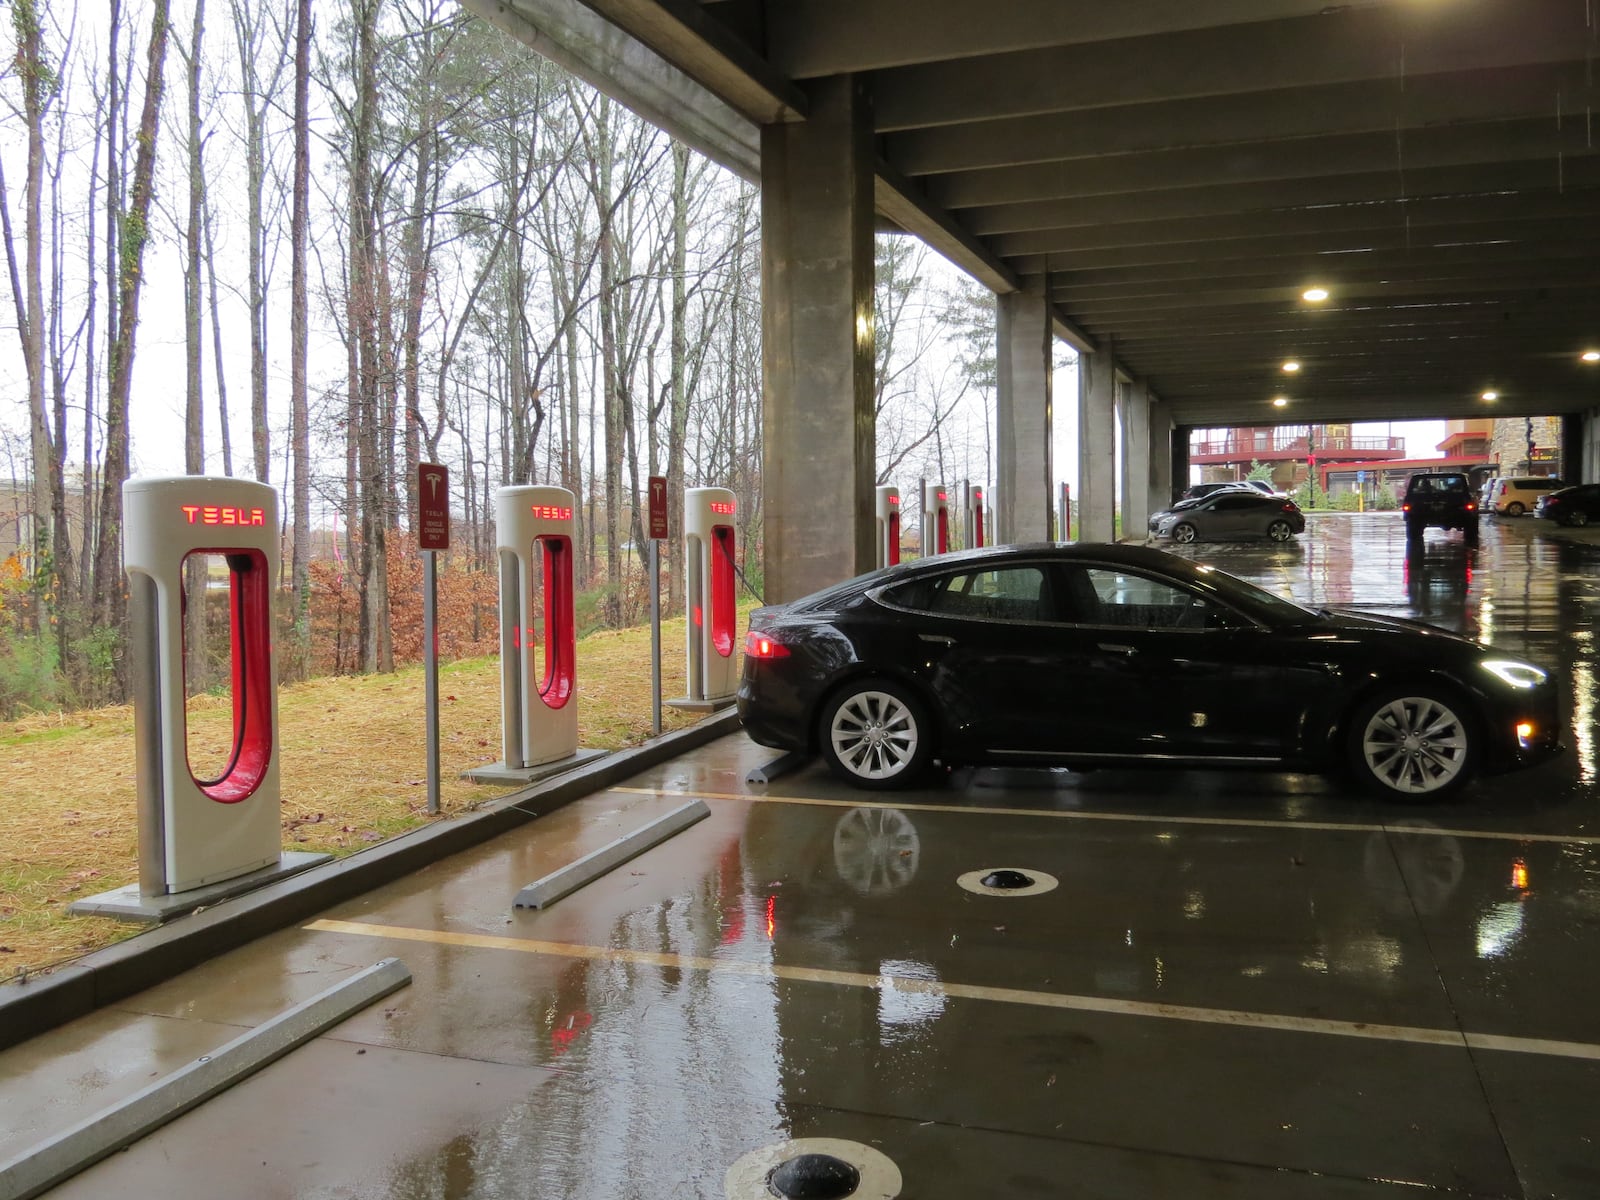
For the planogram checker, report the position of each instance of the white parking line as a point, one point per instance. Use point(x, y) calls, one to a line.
point(1415, 1035)
point(1495, 835)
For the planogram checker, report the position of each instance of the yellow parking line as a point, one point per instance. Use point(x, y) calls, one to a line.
point(900, 983)
point(1495, 835)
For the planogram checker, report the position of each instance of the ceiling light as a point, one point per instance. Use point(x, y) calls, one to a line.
point(1590, 356)
point(1315, 294)
point(1491, 396)
point(1291, 366)
point(1280, 401)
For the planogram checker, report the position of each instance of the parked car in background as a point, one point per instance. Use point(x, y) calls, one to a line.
point(1443, 500)
point(1101, 655)
point(1514, 495)
point(1264, 486)
point(1578, 505)
point(1196, 490)
point(1230, 513)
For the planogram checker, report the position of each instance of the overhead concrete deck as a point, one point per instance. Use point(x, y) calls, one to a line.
point(1242, 986)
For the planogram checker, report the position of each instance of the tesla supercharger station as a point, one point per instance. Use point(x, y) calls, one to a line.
point(709, 596)
point(935, 519)
point(975, 518)
point(534, 530)
point(888, 526)
point(201, 838)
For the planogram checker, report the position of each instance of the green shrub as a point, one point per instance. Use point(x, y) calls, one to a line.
point(27, 673)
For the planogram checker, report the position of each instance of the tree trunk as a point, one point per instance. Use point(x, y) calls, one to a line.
point(300, 416)
point(110, 599)
point(194, 458)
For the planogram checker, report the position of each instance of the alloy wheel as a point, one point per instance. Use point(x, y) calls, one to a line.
point(1415, 745)
point(1279, 531)
point(1183, 532)
point(874, 735)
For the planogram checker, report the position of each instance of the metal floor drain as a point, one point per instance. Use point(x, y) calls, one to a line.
point(1008, 881)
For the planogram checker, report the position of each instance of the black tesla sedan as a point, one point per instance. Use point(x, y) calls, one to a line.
point(1093, 655)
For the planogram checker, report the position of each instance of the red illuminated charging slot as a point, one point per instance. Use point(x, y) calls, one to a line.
point(763, 645)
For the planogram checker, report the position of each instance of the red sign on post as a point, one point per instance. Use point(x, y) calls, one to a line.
point(433, 507)
point(658, 506)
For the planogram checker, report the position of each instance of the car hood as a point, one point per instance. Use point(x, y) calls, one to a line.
point(1354, 620)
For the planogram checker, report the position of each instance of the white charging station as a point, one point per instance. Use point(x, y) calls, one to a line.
point(535, 535)
point(976, 532)
point(935, 519)
point(710, 598)
point(201, 839)
point(888, 525)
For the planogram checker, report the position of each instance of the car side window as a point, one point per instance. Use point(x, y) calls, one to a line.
point(1126, 599)
point(1231, 502)
point(1015, 593)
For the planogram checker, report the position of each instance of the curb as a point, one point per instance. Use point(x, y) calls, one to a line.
point(76, 989)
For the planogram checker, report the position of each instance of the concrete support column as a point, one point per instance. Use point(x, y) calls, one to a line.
point(1180, 459)
point(1097, 386)
point(1159, 492)
point(1135, 499)
point(1023, 417)
point(819, 438)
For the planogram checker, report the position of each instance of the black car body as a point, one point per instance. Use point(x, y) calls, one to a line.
point(1229, 513)
point(1441, 500)
point(1096, 654)
point(1578, 505)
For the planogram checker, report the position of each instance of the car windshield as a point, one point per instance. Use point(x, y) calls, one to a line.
point(1260, 603)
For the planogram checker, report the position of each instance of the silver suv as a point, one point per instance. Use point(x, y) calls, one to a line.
point(1514, 495)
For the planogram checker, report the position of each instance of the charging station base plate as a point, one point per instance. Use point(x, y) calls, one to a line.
point(127, 904)
point(500, 773)
point(715, 704)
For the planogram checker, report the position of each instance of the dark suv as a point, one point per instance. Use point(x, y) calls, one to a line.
point(1444, 501)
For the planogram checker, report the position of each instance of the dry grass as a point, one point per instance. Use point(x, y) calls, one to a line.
point(352, 770)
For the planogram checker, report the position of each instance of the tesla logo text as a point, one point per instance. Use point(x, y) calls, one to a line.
point(212, 514)
point(552, 512)
point(726, 509)
point(894, 501)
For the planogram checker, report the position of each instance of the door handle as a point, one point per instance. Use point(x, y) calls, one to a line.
point(1117, 648)
point(938, 639)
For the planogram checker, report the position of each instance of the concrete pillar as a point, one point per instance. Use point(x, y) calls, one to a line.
point(1096, 498)
point(1023, 417)
point(1134, 502)
point(1159, 494)
point(1180, 459)
point(817, 343)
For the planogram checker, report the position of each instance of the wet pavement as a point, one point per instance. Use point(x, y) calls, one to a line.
point(1241, 986)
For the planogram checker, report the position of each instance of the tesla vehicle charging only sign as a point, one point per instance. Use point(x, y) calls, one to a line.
point(433, 507)
point(658, 506)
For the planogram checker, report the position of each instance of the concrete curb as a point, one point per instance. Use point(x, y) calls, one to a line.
point(38, 1004)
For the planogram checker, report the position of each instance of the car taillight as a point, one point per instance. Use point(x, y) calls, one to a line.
point(1471, 507)
point(763, 645)
point(1405, 508)
point(1290, 507)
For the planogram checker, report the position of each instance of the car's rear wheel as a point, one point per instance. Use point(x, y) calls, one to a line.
point(1413, 530)
point(1577, 517)
point(1515, 509)
point(1280, 530)
point(875, 734)
point(1413, 743)
point(1470, 532)
point(1183, 532)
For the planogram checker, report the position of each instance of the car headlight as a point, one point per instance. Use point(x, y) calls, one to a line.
point(1517, 674)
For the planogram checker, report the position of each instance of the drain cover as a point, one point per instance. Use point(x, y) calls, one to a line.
point(1006, 878)
point(814, 1177)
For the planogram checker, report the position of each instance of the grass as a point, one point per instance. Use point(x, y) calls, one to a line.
point(352, 767)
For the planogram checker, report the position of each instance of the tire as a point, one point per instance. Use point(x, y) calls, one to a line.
point(1577, 517)
point(1414, 531)
point(1470, 533)
point(1441, 757)
point(1183, 532)
point(1515, 509)
point(875, 734)
point(1280, 530)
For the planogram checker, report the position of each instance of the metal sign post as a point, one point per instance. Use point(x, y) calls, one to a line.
point(433, 535)
point(658, 532)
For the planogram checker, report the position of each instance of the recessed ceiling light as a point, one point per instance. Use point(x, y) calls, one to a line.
point(1280, 401)
point(1315, 294)
point(1291, 366)
point(1591, 356)
point(1491, 396)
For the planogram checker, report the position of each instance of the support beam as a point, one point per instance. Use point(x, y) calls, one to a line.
point(1160, 489)
point(1023, 417)
point(1134, 502)
point(1097, 384)
point(817, 344)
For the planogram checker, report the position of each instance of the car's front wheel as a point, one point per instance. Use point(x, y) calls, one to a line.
point(1413, 743)
point(874, 734)
point(1183, 532)
point(1280, 530)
